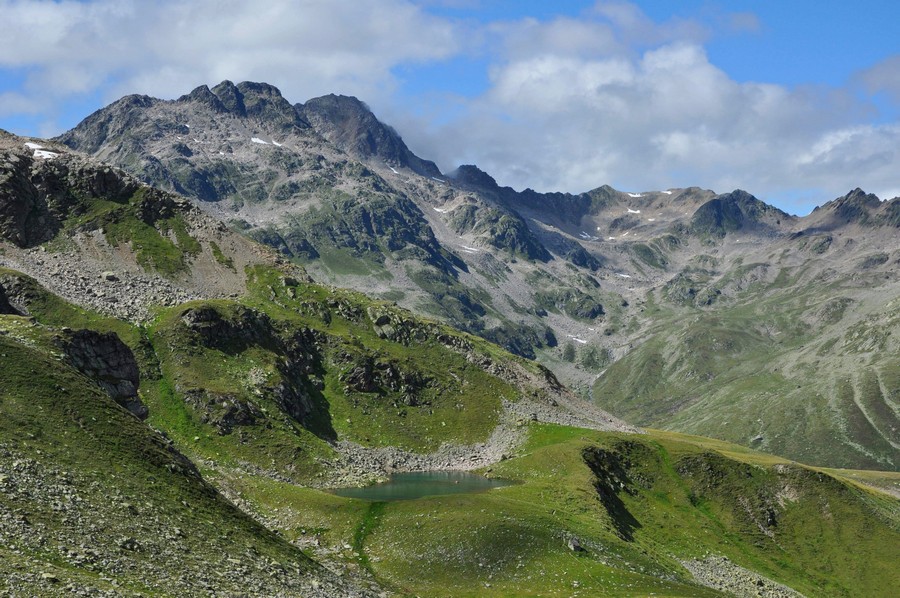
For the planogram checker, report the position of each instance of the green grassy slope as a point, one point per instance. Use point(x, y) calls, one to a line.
point(271, 380)
point(268, 381)
point(640, 505)
point(90, 497)
point(806, 369)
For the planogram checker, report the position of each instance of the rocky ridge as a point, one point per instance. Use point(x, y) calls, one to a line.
point(55, 191)
point(579, 281)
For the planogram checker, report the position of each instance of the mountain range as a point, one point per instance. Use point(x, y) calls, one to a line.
point(215, 309)
point(713, 314)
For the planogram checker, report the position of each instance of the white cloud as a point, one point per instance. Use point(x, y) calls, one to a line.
point(646, 109)
point(306, 47)
point(572, 103)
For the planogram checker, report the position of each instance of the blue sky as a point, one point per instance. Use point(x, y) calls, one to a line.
point(794, 101)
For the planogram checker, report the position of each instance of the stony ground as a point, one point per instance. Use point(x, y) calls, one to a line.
point(720, 573)
point(56, 539)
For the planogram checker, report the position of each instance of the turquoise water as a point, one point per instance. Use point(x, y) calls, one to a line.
point(417, 484)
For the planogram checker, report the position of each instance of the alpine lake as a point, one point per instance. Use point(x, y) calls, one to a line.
point(419, 484)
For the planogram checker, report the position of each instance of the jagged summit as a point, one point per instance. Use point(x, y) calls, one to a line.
point(856, 208)
point(471, 175)
point(246, 99)
point(349, 124)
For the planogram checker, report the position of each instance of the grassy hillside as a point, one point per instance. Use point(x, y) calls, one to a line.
point(93, 499)
point(256, 390)
point(803, 368)
point(644, 509)
point(272, 380)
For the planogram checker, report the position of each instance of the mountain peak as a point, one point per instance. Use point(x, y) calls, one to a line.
point(734, 211)
point(858, 198)
point(349, 124)
point(230, 96)
point(469, 174)
point(202, 95)
point(859, 207)
point(247, 99)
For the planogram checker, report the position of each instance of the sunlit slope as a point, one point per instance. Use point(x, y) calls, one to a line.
point(91, 499)
point(800, 364)
point(643, 508)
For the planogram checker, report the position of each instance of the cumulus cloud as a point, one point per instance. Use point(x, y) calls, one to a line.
point(611, 96)
point(306, 47)
point(639, 105)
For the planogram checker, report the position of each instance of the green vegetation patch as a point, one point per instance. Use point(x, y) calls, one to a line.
point(634, 506)
point(115, 497)
point(220, 257)
point(144, 222)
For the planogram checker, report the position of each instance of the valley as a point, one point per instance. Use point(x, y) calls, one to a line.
point(698, 294)
point(265, 303)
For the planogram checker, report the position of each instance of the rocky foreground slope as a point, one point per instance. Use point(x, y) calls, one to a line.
point(682, 308)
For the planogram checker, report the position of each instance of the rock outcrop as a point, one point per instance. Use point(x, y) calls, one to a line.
point(106, 360)
point(350, 125)
point(298, 366)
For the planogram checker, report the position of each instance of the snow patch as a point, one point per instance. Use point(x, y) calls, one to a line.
point(469, 249)
point(635, 195)
point(623, 275)
point(630, 211)
point(587, 237)
point(611, 239)
point(275, 143)
point(440, 210)
point(667, 192)
point(44, 154)
point(651, 219)
point(258, 140)
point(576, 339)
point(392, 170)
point(221, 153)
point(434, 178)
point(34, 146)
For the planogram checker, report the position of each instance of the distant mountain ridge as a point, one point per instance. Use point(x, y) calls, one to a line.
point(581, 281)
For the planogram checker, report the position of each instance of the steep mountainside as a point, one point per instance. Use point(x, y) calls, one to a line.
point(169, 423)
point(578, 281)
point(94, 502)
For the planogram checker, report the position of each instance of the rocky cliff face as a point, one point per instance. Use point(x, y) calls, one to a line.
point(737, 211)
point(38, 193)
point(348, 124)
point(115, 243)
point(105, 359)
